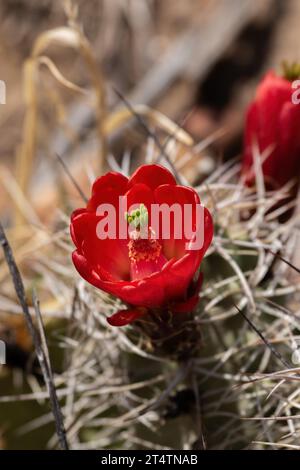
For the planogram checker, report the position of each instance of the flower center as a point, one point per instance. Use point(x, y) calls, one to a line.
point(141, 249)
point(144, 250)
point(138, 218)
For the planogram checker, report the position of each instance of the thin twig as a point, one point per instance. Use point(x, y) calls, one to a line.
point(291, 265)
point(48, 376)
point(39, 341)
point(71, 178)
point(269, 345)
point(148, 131)
point(172, 136)
point(201, 442)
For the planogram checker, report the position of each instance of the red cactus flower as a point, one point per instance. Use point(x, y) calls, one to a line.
point(145, 273)
point(273, 121)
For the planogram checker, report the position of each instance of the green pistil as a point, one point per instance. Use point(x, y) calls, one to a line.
point(138, 217)
point(291, 70)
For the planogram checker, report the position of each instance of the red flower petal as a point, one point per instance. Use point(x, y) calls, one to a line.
point(179, 195)
point(105, 263)
point(86, 270)
point(147, 292)
point(274, 122)
point(189, 304)
point(75, 213)
point(82, 223)
point(186, 306)
point(181, 272)
point(107, 189)
point(152, 175)
point(288, 144)
point(179, 275)
point(124, 317)
point(110, 254)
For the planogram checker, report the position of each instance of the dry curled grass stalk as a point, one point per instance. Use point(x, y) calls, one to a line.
point(70, 36)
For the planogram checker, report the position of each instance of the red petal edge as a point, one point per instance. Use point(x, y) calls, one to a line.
point(124, 317)
point(152, 175)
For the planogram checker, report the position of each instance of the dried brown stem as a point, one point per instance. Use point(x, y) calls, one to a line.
point(38, 338)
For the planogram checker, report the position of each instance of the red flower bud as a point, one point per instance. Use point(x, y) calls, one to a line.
point(273, 121)
point(144, 273)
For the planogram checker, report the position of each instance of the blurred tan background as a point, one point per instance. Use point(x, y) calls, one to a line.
point(196, 60)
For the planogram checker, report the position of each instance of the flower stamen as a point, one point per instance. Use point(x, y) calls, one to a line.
point(144, 250)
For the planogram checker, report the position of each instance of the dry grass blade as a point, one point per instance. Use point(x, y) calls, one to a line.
point(120, 117)
point(63, 36)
